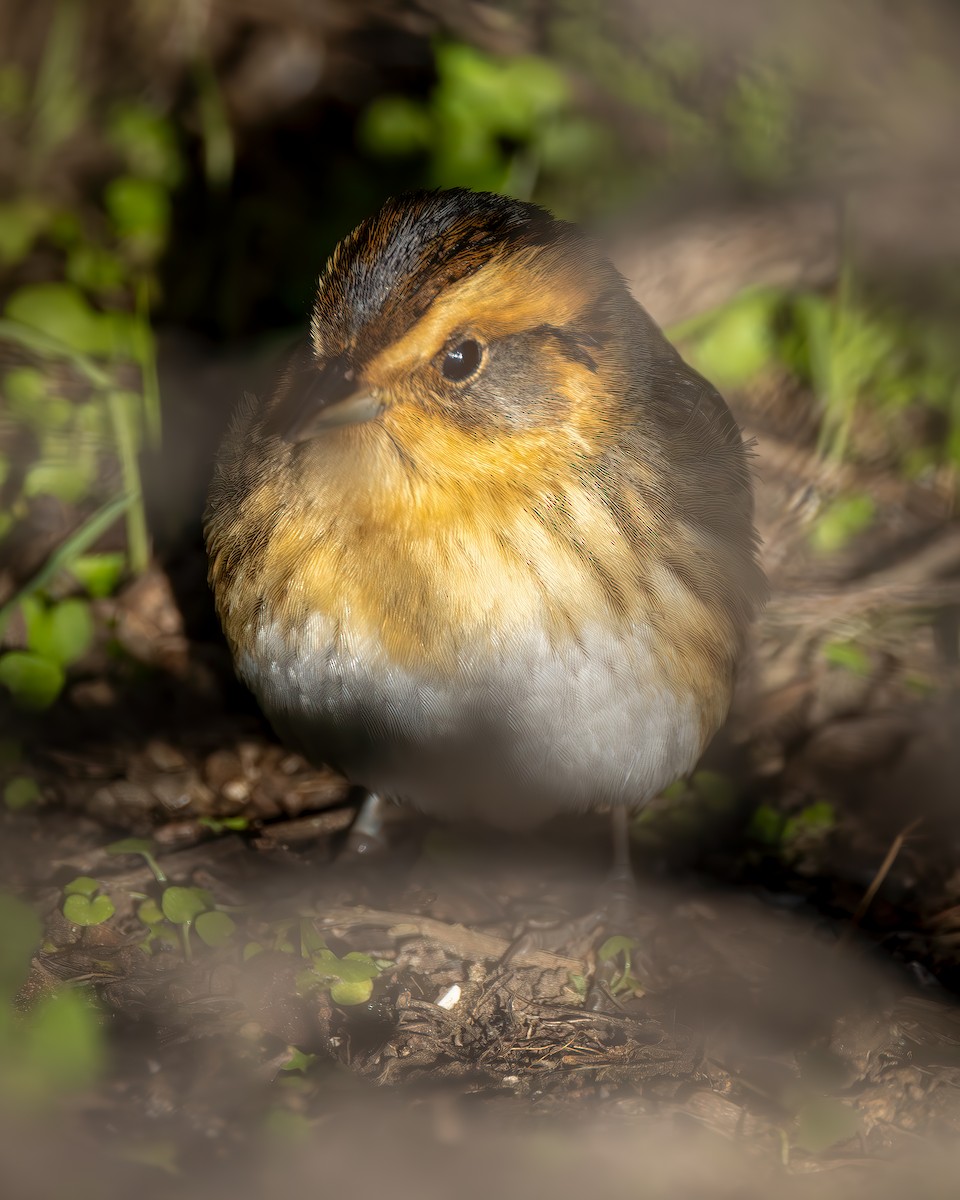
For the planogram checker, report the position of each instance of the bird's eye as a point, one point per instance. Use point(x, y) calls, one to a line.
point(462, 361)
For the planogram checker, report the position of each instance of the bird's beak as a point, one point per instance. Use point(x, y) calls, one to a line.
point(318, 397)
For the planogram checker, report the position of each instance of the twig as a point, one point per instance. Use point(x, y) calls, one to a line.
point(877, 882)
point(467, 943)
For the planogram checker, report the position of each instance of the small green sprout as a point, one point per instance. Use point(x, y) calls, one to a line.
point(85, 904)
point(159, 928)
point(298, 1061)
point(181, 906)
point(785, 834)
point(812, 822)
point(214, 928)
point(143, 847)
point(621, 947)
point(579, 984)
point(348, 979)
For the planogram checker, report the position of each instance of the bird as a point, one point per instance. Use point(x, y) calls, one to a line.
point(487, 547)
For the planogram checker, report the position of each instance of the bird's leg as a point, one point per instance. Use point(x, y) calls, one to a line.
point(609, 914)
point(615, 908)
point(366, 833)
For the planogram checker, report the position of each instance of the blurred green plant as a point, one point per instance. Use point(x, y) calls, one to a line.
point(792, 836)
point(491, 123)
point(348, 980)
point(85, 904)
point(620, 950)
point(79, 382)
point(54, 1047)
point(861, 360)
point(58, 632)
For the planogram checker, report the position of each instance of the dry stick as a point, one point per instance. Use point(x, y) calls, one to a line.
point(877, 882)
point(467, 943)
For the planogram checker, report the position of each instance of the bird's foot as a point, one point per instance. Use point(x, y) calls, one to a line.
point(366, 835)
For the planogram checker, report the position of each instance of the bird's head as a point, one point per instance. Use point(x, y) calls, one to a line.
point(473, 329)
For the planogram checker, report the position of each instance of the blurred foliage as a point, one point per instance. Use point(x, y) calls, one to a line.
point(863, 360)
point(537, 127)
point(490, 123)
point(791, 837)
point(78, 381)
point(54, 1047)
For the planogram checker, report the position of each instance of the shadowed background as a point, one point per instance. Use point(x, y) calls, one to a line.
point(780, 185)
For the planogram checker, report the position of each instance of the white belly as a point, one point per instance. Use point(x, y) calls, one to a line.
point(510, 736)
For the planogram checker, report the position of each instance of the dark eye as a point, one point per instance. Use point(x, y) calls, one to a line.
point(462, 361)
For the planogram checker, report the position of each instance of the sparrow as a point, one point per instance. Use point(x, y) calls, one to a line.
point(487, 548)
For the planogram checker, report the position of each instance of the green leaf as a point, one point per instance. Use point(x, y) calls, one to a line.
point(83, 885)
point(149, 912)
point(68, 550)
point(215, 928)
point(25, 389)
point(20, 223)
point(181, 905)
point(60, 310)
point(618, 944)
point(35, 682)
point(20, 934)
point(21, 792)
point(70, 482)
point(848, 655)
point(766, 825)
point(840, 521)
point(82, 910)
point(298, 1061)
point(140, 210)
point(63, 632)
point(355, 966)
point(63, 1042)
point(148, 141)
point(737, 344)
point(356, 991)
point(95, 269)
point(310, 940)
point(141, 846)
point(396, 125)
point(579, 984)
point(813, 821)
point(131, 845)
point(98, 574)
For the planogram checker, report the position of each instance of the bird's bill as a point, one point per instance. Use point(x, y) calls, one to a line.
point(318, 398)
